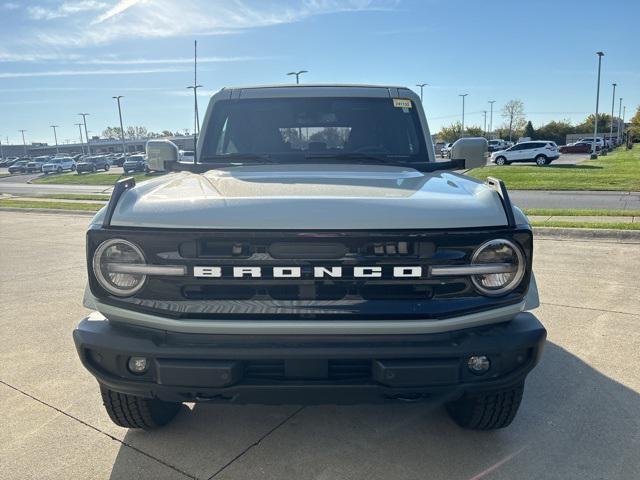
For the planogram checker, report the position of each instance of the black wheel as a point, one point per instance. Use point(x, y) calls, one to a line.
point(487, 410)
point(130, 411)
point(59, 170)
point(501, 161)
point(106, 167)
point(541, 160)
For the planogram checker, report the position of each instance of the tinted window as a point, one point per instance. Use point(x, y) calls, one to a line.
point(295, 127)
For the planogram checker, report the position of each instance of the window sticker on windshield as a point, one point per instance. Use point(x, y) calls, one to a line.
point(402, 103)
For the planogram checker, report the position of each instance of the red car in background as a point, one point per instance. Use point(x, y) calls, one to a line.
point(578, 147)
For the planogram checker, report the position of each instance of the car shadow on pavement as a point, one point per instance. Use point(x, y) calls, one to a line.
point(574, 422)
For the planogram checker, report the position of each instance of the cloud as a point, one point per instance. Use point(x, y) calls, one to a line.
point(185, 60)
point(65, 9)
point(10, 6)
point(66, 73)
point(170, 18)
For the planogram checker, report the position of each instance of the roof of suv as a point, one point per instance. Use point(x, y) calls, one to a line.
point(320, 90)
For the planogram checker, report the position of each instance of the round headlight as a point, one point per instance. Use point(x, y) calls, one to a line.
point(498, 251)
point(109, 256)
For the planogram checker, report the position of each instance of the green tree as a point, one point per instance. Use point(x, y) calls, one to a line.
point(556, 131)
point(529, 131)
point(604, 123)
point(451, 133)
point(513, 112)
point(634, 127)
point(473, 131)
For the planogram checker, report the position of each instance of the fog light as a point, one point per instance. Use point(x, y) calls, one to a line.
point(138, 364)
point(478, 364)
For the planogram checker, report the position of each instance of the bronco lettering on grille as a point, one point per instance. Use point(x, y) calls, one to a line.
point(411, 271)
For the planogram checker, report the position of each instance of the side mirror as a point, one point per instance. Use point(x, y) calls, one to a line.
point(161, 154)
point(473, 150)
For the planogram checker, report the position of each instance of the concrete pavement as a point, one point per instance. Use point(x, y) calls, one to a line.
point(569, 199)
point(580, 418)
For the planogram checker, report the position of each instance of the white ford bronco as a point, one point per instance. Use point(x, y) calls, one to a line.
point(313, 252)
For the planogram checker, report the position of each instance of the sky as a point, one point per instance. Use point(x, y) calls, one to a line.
point(62, 57)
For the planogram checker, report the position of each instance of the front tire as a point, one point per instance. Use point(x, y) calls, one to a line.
point(500, 161)
point(106, 167)
point(487, 410)
point(541, 160)
point(129, 411)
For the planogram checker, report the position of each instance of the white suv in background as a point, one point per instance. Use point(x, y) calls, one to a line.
point(543, 152)
point(58, 164)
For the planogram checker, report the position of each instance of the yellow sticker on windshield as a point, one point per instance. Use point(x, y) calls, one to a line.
point(402, 103)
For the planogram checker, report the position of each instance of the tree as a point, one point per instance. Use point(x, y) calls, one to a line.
point(451, 133)
point(111, 133)
point(604, 123)
point(556, 131)
point(529, 130)
point(513, 111)
point(634, 128)
point(473, 131)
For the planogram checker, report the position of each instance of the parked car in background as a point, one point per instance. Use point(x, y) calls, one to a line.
point(497, 144)
point(186, 156)
point(446, 150)
point(92, 164)
point(35, 165)
point(577, 147)
point(543, 152)
point(58, 165)
point(19, 166)
point(119, 159)
point(135, 163)
point(589, 140)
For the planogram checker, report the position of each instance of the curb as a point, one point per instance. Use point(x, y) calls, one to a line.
point(598, 234)
point(55, 211)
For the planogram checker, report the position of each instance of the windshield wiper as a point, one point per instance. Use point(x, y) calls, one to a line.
point(362, 157)
point(236, 157)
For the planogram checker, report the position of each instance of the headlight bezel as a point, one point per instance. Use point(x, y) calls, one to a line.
point(512, 284)
point(103, 282)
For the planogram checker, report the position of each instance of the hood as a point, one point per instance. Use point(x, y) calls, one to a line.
point(310, 197)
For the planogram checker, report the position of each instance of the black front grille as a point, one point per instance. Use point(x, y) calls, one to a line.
point(307, 296)
point(336, 370)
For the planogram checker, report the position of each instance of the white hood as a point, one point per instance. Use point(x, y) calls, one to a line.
point(310, 197)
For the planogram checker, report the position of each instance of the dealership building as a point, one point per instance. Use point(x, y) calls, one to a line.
point(96, 146)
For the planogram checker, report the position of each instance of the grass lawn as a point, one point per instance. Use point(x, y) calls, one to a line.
point(77, 196)
point(611, 226)
point(90, 207)
point(574, 212)
point(619, 170)
point(89, 178)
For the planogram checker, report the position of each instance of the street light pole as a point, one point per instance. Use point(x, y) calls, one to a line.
point(594, 155)
point(80, 130)
point(491, 102)
point(55, 136)
point(117, 98)
point(613, 103)
point(297, 74)
point(462, 95)
point(24, 142)
point(618, 136)
point(485, 122)
point(1, 150)
point(196, 122)
point(86, 133)
point(422, 85)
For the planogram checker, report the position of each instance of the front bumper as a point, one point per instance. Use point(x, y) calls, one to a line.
point(295, 369)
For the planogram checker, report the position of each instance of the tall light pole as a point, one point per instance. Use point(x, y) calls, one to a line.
point(195, 87)
point(55, 136)
point(86, 134)
point(1, 150)
point(117, 99)
point(24, 142)
point(613, 103)
point(624, 114)
point(462, 95)
point(594, 155)
point(297, 74)
point(80, 130)
point(484, 112)
point(422, 85)
point(618, 136)
point(491, 102)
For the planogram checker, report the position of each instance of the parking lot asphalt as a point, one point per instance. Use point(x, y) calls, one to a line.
point(580, 417)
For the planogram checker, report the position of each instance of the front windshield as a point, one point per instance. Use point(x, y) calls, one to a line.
point(293, 129)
